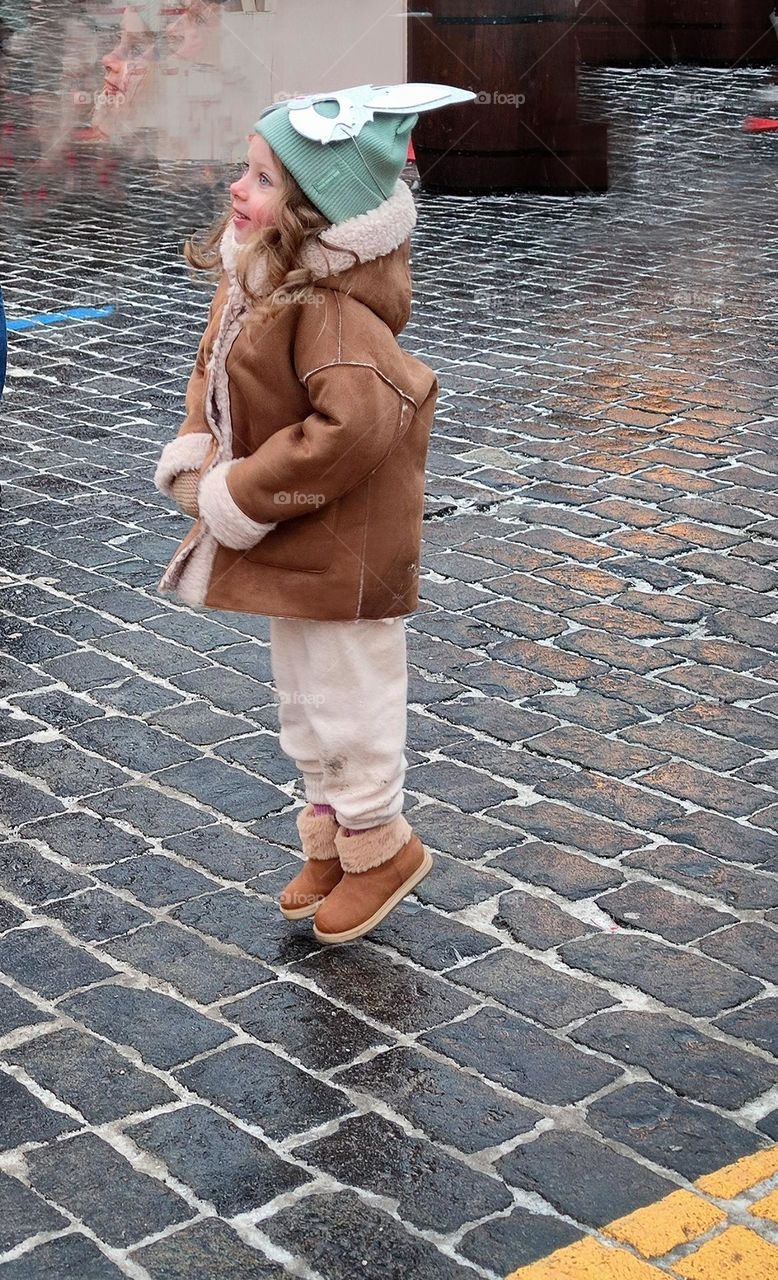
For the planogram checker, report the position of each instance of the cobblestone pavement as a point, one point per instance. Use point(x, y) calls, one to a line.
point(576, 1016)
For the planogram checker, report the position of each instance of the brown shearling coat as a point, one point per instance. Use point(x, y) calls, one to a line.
point(310, 432)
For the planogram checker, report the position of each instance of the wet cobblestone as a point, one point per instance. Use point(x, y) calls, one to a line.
point(189, 1085)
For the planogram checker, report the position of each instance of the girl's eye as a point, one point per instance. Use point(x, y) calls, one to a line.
point(264, 178)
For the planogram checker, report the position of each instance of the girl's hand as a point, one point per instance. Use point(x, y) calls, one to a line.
point(184, 490)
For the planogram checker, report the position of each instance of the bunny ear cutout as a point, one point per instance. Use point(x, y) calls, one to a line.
point(354, 108)
point(408, 99)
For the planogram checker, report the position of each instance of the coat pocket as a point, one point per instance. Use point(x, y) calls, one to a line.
point(304, 544)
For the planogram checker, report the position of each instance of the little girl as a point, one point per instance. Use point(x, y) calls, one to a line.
point(302, 456)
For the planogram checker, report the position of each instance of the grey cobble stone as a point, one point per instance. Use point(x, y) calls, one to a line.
point(670, 1131)
point(264, 1089)
point(206, 1249)
point(341, 1236)
point(694, 1065)
point(520, 1056)
point(435, 1191)
point(553, 1165)
point(675, 976)
point(222, 1163)
point(68, 1063)
point(74, 1173)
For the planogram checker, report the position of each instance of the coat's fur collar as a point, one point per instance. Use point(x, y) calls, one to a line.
point(370, 235)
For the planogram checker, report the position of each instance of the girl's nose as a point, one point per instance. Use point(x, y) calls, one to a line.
point(236, 187)
point(111, 62)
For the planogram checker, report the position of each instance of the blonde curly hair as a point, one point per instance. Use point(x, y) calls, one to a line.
point(297, 223)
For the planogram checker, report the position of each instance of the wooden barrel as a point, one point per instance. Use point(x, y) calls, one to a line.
point(614, 33)
point(523, 133)
point(713, 32)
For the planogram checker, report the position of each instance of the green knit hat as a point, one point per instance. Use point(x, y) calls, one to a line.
point(347, 176)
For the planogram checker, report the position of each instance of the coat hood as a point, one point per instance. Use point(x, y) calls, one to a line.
point(381, 280)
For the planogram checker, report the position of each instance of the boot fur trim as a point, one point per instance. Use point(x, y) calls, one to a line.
point(317, 833)
point(371, 848)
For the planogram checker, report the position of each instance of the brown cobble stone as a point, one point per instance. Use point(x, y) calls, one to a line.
point(589, 709)
point(683, 480)
point(715, 682)
point(752, 499)
point(595, 582)
point(761, 635)
point(610, 463)
point(630, 513)
point(648, 544)
point(709, 876)
point(703, 535)
point(571, 875)
point(660, 605)
point(742, 724)
point(723, 837)
point(700, 430)
point(618, 801)
point(712, 512)
point(736, 599)
point(719, 653)
point(707, 448)
point(636, 417)
point(635, 626)
point(638, 691)
point(682, 461)
point(640, 905)
point(766, 818)
point(613, 650)
point(750, 478)
point(566, 545)
point(566, 825)
point(701, 748)
point(510, 615)
point(723, 569)
point(533, 590)
point(549, 516)
point(750, 946)
point(581, 746)
point(701, 787)
point(546, 660)
point(509, 554)
point(550, 491)
point(757, 552)
point(722, 417)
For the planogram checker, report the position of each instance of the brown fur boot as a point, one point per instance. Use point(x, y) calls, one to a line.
point(380, 867)
point(321, 871)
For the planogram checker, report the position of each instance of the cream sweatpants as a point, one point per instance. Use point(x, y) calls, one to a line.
point(342, 705)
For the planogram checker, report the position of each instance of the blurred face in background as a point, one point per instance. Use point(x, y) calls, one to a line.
point(129, 76)
point(194, 35)
point(128, 64)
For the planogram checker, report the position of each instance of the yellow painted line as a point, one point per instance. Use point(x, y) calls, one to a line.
point(589, 1260)
point(737, 1254)
point(657, 1229)
point(768, 1207)
point(741, 1176)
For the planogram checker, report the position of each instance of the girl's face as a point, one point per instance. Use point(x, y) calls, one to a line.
point(256, 192)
